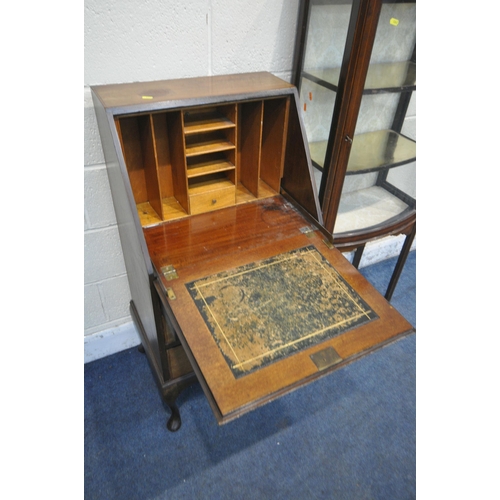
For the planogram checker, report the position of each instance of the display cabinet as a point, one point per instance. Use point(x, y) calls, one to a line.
point(234, 280)
point(355, 68)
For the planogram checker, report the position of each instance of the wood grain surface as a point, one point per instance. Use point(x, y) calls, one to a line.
point(204, 245)
point(148, 94)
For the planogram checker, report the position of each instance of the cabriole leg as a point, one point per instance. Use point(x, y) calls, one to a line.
point(170, 395)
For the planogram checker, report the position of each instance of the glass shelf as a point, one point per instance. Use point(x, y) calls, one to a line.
point(372, 151)
point(375, 151)
point(367, 208)
point(382, 77)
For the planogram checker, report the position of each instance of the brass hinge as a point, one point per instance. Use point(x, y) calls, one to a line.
point(169, 272)
point(171, 294)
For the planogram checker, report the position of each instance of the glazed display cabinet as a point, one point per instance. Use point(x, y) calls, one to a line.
point(355, 68)
point(234, 280)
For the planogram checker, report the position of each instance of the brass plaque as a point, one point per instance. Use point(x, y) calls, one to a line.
point(326, 358)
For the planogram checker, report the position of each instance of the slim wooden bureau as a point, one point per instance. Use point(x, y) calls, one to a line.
point(234, 281)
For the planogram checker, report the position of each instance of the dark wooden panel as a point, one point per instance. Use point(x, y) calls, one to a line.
point(130, 138)
point(137, 261)
point(298, 177)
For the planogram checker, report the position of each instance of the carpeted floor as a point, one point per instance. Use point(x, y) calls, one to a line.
point(350, 435)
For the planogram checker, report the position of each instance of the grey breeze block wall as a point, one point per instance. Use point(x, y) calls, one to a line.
point(128, 41)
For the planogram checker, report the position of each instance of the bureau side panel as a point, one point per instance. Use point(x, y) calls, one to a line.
point(137, 261)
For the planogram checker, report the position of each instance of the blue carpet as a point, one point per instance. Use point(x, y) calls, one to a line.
point(350, 435)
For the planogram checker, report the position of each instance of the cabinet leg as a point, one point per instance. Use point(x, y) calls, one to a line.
point(174, 422)
point(170, 395)
point(141, 349)
point(357, 256)
point(405, 250)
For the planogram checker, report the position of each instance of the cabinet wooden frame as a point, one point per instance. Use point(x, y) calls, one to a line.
point(237, 142)
point(355, 78)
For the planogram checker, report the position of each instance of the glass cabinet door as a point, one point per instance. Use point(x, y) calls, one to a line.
point(325, 40)
point(379, 185)
point(375, 182)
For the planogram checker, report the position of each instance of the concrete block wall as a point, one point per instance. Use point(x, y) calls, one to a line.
point(128, 41)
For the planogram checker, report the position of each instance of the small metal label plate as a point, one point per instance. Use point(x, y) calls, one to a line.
point(325, 358)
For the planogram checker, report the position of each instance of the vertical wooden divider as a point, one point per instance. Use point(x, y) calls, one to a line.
point(251, 116)
point(162, 153)
point(175, 126)
point(235, 175)
point(149, 161)
point(274, 132)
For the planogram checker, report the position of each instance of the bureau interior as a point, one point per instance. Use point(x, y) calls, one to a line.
point(196, 159)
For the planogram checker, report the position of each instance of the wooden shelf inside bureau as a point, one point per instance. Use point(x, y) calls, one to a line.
point(186, 161)
point(213, 145)
point(206, 121)
point(209, 166)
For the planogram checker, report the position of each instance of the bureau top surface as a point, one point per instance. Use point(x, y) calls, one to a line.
point(164, 92)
